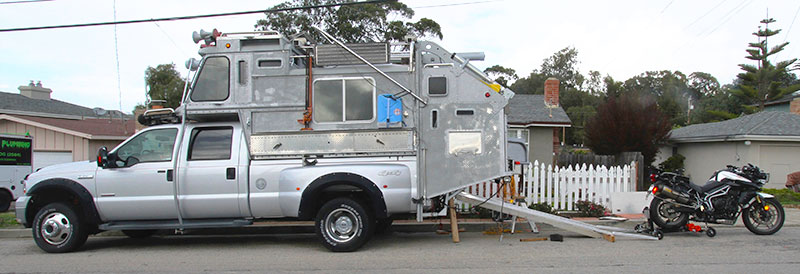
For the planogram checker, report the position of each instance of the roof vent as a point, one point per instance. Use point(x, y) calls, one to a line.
point(332, 55)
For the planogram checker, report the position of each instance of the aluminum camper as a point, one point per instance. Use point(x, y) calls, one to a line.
point(348, 135)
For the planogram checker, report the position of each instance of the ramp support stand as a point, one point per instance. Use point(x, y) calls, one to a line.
point(453, 220)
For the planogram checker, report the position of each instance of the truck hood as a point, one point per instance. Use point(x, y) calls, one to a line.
point(66, 170)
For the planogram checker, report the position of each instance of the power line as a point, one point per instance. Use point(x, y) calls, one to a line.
point(665, 8)
point(706, 14)
point(790, 25)
point(457, 4)
point(194, 16)
point(24, 2)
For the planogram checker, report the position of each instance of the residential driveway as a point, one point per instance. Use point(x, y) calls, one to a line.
point(734, 250)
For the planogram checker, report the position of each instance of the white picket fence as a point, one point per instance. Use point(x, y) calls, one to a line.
point(561, 187)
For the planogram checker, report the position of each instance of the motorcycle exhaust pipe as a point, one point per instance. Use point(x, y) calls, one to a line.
point(664, 191)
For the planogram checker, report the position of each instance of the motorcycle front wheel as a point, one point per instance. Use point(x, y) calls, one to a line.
point(665, 215)
point(765, 218)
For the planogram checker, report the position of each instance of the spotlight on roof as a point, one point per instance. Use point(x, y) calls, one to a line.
point(192, 64)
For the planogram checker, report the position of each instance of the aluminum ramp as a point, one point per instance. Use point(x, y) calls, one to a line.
point(605, 232)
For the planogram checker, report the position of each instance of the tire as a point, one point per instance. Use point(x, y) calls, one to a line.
point(772, 220)
point(665, 217)
point(5, 200)
point(711, 232)
point(139, 234)
point(343, 225)
point(57, 228)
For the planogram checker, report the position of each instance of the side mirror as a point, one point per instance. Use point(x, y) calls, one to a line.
point(102, 157)
point(131, 161)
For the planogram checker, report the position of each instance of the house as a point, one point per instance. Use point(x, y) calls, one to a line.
point(768, 139)
point(788, 103)
point(62, 132)
point(540, 125)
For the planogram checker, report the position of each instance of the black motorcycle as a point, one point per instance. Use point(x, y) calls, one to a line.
point(729, 193)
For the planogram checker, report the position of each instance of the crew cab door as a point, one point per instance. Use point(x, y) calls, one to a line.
point(139, 186)
point(210, 173)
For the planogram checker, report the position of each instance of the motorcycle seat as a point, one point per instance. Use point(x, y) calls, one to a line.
point(711, 184)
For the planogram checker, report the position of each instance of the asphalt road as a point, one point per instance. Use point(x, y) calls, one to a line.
point(734, 250)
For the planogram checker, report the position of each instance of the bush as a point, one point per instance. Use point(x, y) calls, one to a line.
point(673, 164)
point(589, 209)
point(543, 207)
point(785, 196)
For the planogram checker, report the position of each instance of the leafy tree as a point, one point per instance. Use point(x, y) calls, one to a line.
point(563, 65)
point(164, 83)
point(501, 74)
point(760, 84)
point(669, 88)
point(628, 123)
point(352, 24)
point(703, 84)
point(533, 84)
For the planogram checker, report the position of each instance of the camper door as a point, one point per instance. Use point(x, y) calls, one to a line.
point(462, 130)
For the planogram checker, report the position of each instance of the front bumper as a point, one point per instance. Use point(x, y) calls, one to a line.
point(19, 210)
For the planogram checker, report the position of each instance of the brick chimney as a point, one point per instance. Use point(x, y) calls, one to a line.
point(794, 106)
point(551, 91)
point(35, 91)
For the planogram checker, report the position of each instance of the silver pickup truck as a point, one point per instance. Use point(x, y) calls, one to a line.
point(131, 190)
point(278, 127)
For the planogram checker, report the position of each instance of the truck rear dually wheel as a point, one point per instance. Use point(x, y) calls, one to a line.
point(343, 225)
point(57, 228)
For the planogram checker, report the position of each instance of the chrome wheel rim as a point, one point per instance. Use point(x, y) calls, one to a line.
point(56, 228)
point(342, 225)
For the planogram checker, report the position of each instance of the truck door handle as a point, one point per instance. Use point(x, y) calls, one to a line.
point(170, 175)
point(230, 173)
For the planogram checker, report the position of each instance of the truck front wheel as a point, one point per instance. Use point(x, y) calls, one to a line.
point(343, 225)
point(57, 228)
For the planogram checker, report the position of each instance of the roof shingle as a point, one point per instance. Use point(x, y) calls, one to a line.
point(765, 123)
point(529, 109)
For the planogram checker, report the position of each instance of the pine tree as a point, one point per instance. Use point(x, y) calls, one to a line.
point(759, 84)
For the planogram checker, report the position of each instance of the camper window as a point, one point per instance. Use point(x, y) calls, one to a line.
point(437, 86)
point(344, 100)
point(212, 83)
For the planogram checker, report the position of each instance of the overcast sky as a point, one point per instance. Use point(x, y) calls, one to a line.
point(617, 38)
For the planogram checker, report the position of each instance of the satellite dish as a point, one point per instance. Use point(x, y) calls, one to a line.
point(99, 111)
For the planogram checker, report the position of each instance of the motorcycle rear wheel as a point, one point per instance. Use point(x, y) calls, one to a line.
point(765, 218)
point(664, 215)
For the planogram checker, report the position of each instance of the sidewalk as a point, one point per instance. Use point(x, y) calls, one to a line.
point(408, 226)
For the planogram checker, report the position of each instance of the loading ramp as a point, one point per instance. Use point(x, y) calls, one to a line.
point(595, 231)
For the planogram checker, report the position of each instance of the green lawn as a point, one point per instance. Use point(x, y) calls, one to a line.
point(8, 220)
point(785, 195)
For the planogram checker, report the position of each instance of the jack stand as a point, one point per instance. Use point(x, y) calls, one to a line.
point(453, 220)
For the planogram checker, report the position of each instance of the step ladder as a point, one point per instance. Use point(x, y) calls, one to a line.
point(595, 231)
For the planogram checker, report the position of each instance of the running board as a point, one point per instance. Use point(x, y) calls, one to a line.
point(174, 224)
point(608, 233)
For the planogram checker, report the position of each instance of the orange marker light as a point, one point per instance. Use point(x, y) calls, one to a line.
point(766, 208)
point(298, 189)
point(655, 189)
point(228, 45)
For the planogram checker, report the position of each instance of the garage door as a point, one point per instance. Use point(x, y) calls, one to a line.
point(779, 161)
point(47, 158)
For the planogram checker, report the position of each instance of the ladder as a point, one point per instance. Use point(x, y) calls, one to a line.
point(595, 231)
